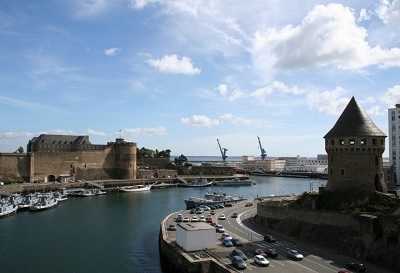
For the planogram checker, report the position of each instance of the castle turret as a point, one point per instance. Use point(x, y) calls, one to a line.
point(355, 146)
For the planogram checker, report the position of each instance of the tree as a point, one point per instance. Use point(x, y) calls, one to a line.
point(180, 160)
point(20, 150)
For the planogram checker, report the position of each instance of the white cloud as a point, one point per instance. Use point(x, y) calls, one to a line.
point(175, 65)
point(235, 120)
point(389, 12)
point(327, 36)
point(90, 8)
point(328, 102)
point(112, 51)
point(200, 121)
point(223, 89)
point(363, 16)
point(92, 132)
point(262, 93)
point(236, 95)
point(392, 96)
point(140, 4)
point(13, 135)
point(159, 131)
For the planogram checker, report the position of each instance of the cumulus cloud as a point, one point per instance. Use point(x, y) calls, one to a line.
point(112, 51)
point(200, 121)
point(175, 65)
point(328, 35)
point(392, 96)
point(157, 131)
point(264, 92)
point(223, 89)
point(329, 102)
point(363, 16)
point(389, 12)
point(13, 135)
point(235, 120)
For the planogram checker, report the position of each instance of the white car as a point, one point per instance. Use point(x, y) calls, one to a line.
point(295, 255)
point(186, 219)
point(260, 260)
point(194, 219)
point(220, 228)
point(212, 212)
point(222, 217)
point(227, 236)
point(202, 218)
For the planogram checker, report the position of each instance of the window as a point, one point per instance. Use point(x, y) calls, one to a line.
point(341, 141)
point(374, 141)
point(352, 141)
point(363, 141)
point(332, 142)
point(342, 171)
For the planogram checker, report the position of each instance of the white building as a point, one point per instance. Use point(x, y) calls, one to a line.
point(394, 141)
point(195, 236)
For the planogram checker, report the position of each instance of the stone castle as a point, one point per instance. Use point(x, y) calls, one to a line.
point(71, 158)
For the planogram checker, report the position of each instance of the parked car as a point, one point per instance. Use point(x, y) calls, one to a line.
point(295, 255)
point(238, 262)
point(194, 219)
point(269, 238)
point(357, 267)
point(172, 227)
point(226, 242)
point(271, 252)
point(260, 252)
point(220, 228)
point(236, 242)
point(220, 206)
point(248, 204)
point(222, 217)
point(209, 219)
point(186, 219)
point(234, 215)
point(344, 271)
point(260, 260)
point(226, 235)
point(192, 211)
point(238, 252)
point(228, 205)
point(202, 218)
point(212, 212)
point(179, 218)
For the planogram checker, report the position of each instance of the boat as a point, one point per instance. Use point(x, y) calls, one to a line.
point(212, 199)
point(135, 188)
point(98, 192)
point(28, 200)
point(7, 208)
point(82, 193)
point(234, 182)
point(199, 182)
point(44, 202)
point(59, 196)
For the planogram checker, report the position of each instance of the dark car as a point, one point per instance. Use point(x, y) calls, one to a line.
point(236, 242)
point(238, 252)
point(357, 267)
point(238, 262)
point(271, 252)
point(172, 227)
point(269, 239)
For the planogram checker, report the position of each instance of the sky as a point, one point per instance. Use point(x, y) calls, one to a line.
point(181, 74)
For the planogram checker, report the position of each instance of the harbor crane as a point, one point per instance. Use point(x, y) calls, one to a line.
point(223, 152)
point(263, 152)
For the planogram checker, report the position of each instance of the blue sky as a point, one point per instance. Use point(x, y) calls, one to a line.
point(181, 74)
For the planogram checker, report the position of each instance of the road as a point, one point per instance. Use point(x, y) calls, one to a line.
point(316, 259)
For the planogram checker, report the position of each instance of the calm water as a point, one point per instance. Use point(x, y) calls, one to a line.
point(117, 232)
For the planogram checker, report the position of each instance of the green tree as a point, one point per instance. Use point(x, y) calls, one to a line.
point(180, 160)
point(20, 150)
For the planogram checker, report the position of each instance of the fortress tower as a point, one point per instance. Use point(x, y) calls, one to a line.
point(355, 146)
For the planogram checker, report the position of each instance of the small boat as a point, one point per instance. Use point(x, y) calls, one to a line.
point(59, 196)
point(82, 193)
point(44, 202)
point(135, 188)
point(7, 208)
point(212, 199)
point(199, 182)
point(28, 200)
point(98, 192)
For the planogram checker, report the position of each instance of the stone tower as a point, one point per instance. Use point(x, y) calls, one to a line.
point(355, 146)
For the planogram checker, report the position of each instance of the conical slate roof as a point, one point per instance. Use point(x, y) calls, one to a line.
point(354, 121)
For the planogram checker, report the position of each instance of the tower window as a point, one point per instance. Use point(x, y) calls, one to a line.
point(341, 141)
point(374, 141)
point(332, 142)
point(352, 141)
point(363, 141)
point(342, 171)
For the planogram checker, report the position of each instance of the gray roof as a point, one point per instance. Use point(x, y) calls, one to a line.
point(61, 139)
point(354, 122)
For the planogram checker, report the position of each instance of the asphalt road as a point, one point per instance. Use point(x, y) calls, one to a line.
point(316, 259)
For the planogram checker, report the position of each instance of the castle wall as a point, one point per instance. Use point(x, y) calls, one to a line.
point(16, 165)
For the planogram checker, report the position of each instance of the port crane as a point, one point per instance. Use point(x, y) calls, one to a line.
point(263, 152)
point(223, 151)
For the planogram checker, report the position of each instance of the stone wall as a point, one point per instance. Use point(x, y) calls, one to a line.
point(16, 165)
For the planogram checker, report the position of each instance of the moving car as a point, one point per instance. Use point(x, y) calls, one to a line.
point(295, 255)
point(238, 252)
point(226, 235)
point(357, 267)
point(234, 215)
point(260, 260)
point(238, 262)
point(220, 228)
point(269, 238)
point(226, 242)
point(222, 217)
point(271, 252)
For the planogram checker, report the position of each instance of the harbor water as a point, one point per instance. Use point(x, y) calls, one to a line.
point(117, 232)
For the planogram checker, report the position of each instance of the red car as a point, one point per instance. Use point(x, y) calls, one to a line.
point(249, 204)
point(344, 271)
point(261, 252)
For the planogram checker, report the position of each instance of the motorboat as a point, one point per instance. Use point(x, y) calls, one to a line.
point(82, 193)
point(135, 188)
point(98, 192)
point(234, 182)
point(7, 208)
point(199, 182)
point(212, 199)
point(44, 202)
point(28, 200)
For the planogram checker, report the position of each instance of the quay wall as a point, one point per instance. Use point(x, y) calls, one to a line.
point(175, 259)
point(14, 165)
